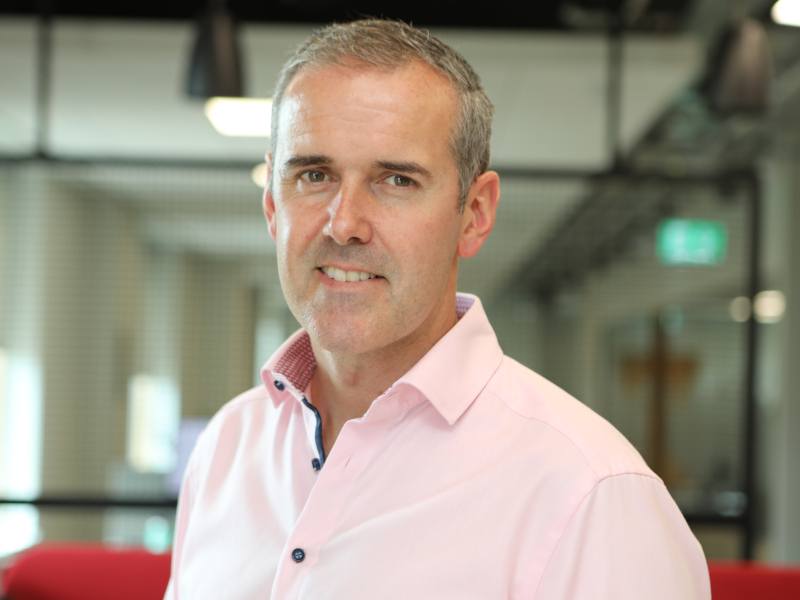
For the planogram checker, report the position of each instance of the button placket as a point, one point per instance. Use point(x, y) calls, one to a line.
point(317, 522)
point(359, 441)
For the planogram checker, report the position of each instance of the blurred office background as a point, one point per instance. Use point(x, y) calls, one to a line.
point(645, 256)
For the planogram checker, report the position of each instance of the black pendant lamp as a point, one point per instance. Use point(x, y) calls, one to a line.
point(215, 67)
point(740, 70)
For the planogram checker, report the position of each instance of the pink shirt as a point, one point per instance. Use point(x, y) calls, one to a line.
point(471, 477)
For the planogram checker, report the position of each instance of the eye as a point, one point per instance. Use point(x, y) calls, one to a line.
point(400, 180)
point(313, 176)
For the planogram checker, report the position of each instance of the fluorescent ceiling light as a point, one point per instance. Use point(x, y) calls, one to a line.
point(786, 12)
point(240, 117)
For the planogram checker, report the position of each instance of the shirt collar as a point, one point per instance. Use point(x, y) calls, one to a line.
point(294, 361)
point(460, 364)
point(450, 375)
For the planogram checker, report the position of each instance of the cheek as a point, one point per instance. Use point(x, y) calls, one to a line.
point(296, 240)
point(283, 235)
point(289, 228)
point(283, 240)
point(431, 245)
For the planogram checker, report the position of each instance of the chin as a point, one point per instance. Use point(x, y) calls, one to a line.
point(343, 340)
point(346, 332)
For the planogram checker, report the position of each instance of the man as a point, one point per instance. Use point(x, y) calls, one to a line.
point(393, 451)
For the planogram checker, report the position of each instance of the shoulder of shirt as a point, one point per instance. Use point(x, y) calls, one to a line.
point(573, 428)
point(234, 414)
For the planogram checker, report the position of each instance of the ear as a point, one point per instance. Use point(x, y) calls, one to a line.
point(268, 202)
point(480, 210)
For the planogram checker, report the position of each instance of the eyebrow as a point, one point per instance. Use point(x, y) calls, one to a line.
point(404, 167)
point(309, 160)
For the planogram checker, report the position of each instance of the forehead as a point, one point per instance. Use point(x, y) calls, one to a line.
point(412, 106)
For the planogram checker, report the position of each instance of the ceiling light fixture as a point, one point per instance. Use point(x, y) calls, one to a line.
point(740, 70)
point(240, 117)
point(786, 12)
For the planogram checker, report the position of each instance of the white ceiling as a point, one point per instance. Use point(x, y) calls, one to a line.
point(117, 92)
point(117, 89)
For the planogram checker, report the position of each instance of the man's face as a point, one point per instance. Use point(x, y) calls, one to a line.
point(363, 205)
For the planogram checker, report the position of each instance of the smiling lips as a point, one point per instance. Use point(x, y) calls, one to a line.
point(342, 275)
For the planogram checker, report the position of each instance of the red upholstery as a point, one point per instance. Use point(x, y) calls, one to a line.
point(96, 572)
point(753, 581)
point(86, 572)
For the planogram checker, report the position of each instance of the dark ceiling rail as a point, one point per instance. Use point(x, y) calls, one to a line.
point(714, 519)
point(557, 15)
point(507, 171)
point(128, 161)
point(92, 502)
point(99, 502)
point(564, 173)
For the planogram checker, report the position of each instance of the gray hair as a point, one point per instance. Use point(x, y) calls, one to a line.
point(391, 44)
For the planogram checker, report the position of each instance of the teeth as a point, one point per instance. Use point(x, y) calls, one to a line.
point(340, 275)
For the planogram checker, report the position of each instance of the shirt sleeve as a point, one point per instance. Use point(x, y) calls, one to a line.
point(185, 503)
point(627, 540)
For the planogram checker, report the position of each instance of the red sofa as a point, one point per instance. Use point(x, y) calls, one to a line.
point(96, 572)
point(73, 571)
point(753, 581)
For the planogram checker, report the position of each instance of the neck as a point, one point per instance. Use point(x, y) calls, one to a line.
point(344, 385)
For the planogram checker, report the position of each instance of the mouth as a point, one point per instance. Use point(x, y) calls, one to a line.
point(347, 276)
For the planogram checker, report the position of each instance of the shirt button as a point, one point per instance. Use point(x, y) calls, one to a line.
point(315, 464)
point(298, 555)
point(279, 384)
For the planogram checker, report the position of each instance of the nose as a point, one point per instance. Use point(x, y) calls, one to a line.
point(348, 218)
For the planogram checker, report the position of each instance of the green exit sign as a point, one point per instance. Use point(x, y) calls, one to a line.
point(691, 242)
